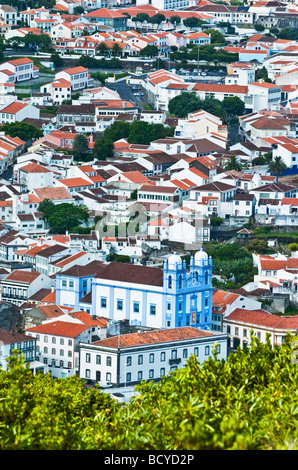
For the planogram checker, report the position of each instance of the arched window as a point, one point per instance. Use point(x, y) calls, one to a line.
point(197, 276)
point(206, 277)
point(180, 282)
point(170, 282)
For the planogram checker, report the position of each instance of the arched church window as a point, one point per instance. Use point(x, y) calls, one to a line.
point(170, 282)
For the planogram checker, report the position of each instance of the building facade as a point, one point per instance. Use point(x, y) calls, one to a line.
point(128, 359)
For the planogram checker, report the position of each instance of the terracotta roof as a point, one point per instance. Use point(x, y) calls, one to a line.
point(49, 311)
point(154, 337)
point(23, 276)
point(264, 318)
point(14, 107)
point(75, 182)
point(9, 336)
point(55, 194)
point(35, 168)
point(87, 319)
point(59, 328)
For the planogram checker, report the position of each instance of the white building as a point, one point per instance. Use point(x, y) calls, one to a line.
point(18, 111)
point(20, 285)
point(78, 77)
point(239, 323)
point(22, 69)
point(57, 345)
point(149, 355)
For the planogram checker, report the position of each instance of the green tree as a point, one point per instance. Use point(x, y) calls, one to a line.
point(22, 130)
point(232, 106)
point(143, 133)
point(175, 19)
point(103, 149)
point(184, 103)
point(288, 33)
point(157, 19)
point(118, 130)
point(246, 402)
point(80, 147)
point(56, 59)
point(149, 51)
point(233, 164)
point(216, 36)
point(66, 217)
point(277, 167)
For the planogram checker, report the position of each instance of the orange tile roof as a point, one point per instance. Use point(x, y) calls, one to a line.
point(21, 61)
point(74, 70)
point(59, 328)
point(22, 276)
point(75, 182)
point(35, 168)
point(264, 318)
point(154, 337)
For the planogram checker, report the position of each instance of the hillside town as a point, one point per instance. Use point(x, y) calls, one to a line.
point(148, 183)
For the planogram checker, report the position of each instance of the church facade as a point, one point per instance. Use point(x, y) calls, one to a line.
point(176, 295)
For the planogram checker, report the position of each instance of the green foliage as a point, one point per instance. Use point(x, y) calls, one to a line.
point(22, 130)
point(103, 149)
point(216, 36)
point(277, 166)
point(137, 132)
point(248, 402)
point(80, 147)
point(232, 260)
point(188, 102)
point(63, 217)
point(149, 51)
point(258, 246)
point(288, 33)
point(293, 246)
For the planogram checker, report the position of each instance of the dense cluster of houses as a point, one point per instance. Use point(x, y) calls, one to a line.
point(82, 309)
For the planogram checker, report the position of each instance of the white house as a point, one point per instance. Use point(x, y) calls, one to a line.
point(128, 359)
point(17, 112)
point(19, 285)
point(22, 69)
point(57, 345)
point(239, 323)
point(78, 77)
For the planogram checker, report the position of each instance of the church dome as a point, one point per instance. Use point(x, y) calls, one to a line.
point(175, 260)
point(200, 256)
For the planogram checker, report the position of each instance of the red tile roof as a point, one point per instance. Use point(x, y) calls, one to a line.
point(154, 337)
point(23, 276)
point(264, 319)
point(60, 328)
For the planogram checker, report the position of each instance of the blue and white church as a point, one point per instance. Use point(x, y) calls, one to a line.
point(173, 296)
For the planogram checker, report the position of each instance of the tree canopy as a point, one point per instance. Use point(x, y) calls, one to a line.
point(247, 402)
point(63, 217)
point(23, 130)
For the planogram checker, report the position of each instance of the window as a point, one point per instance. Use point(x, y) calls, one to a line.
point(151, 374)
point(162, 356)
point(103, 302)
point(109, 361)
point(245, 333)
point(128, 361)
point(207, 350)
point(98, 359)
point(152, 309)
point(87, 373)
point(140, 359)
point(136, 307)
point(128, 377)
point(119, 304)
point(185, 353)
point(162, 371)
point(53, 350)
point(61, 340)
point(61, 352)
point(151, 358)
point(71, 283)
point(140, 375)
point(88, 357)
point(108, 376)
point(196, 351)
